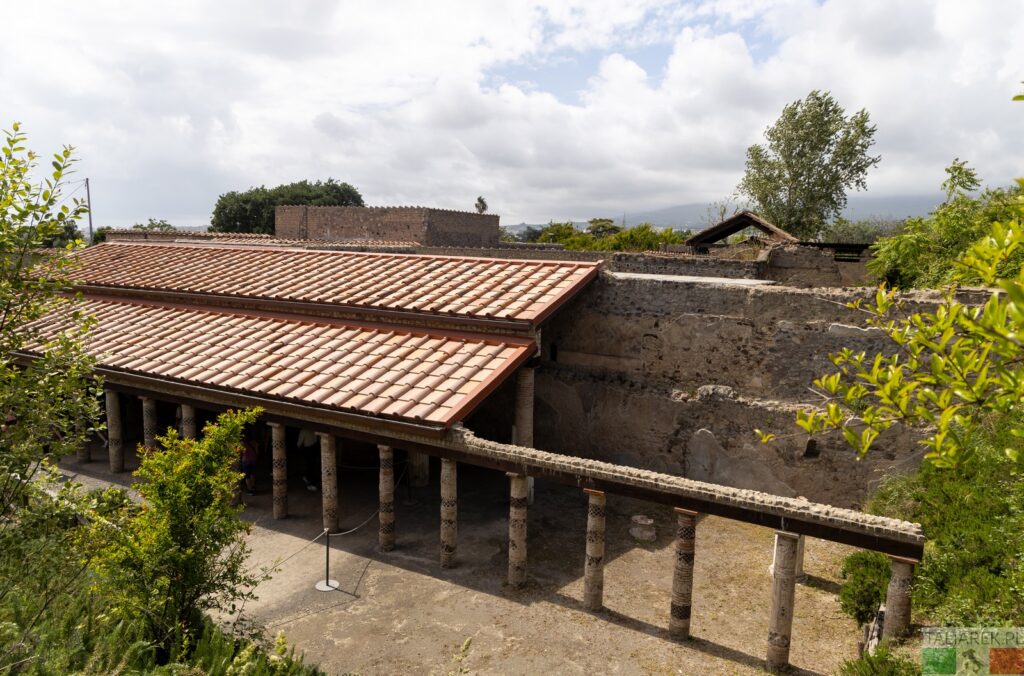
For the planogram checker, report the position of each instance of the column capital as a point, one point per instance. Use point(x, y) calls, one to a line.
point(385, 447)
point(787, 534)
point(593, 491)
point(274, 424)
point(685, 512)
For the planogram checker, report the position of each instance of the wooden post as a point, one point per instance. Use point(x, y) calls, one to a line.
point(897, 598)
point(449, 512)
point(279, 465)
point(682, 574)
point(386, 517)
point(517, 514)
point(329, 480)
point(188, 421)
point(593, 570)
point(149, 422)
point(115, 445)
point(780, 622)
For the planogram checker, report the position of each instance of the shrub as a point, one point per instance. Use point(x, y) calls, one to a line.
point(866, 576)
point(882, 662)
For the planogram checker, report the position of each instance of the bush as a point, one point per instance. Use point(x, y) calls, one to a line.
point(881, 663)
point(973, 517)
point(866, 576)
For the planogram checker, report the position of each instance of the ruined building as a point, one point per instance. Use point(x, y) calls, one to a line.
point(641, 375)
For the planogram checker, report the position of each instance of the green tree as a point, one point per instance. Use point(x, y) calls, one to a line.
point(48, 398)
point(603, 227)
point(814, 154)
point(481, 205)
point(183, 553)
point(154, 224)
point(253, 210)
point(925, 251)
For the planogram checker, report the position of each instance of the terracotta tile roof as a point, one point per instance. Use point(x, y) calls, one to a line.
point(431, 377)
point(436, 285)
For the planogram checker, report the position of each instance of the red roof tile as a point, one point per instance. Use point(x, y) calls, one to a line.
point(368, 369)
point(438, 285)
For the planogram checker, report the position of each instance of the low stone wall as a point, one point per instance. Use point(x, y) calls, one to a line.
point(620, 261)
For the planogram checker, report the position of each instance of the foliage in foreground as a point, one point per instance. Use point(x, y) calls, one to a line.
point(882, 662)
point(182, 554)
point(253, 209)
point(948, 369)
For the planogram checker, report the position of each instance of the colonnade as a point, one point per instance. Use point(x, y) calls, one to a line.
point(786, 569)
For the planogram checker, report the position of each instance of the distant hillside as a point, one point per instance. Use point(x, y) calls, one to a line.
point(695, 216)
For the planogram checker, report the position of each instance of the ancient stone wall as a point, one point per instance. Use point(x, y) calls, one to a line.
point(675, 376)
point(433, 227)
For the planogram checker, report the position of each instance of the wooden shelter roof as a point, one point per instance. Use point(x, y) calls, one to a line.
point(741, 221)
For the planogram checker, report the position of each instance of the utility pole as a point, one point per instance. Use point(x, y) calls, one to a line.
point(88, 199)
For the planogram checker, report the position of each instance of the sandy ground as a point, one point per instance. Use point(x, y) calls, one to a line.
point(400, 613)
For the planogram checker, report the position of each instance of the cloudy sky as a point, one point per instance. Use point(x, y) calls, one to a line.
point(552, 110)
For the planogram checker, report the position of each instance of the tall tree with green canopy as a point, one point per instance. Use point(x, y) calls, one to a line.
point(253, 210)
point(813, 156)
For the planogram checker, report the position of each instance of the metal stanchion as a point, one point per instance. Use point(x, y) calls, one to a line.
point(327, 584)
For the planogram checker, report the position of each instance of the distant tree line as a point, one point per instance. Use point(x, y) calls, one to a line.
point(253, 209)
point(602, 234)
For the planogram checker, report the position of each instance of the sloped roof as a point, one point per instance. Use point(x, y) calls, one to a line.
point(439, 286)
point(733, 224)
point(427, 377)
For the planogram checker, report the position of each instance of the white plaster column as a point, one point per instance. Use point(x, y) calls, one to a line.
point(419, 469)
point(593, 570)
point(149, 423)
point(449, 512)
point(329, 480)
point(780, 621)
point(801, 576)
point(522, 431)
point(115, 445)
point(517, 514)
point(897, 597)
point(279, 465)
point(682, 574)
point(386, 515)
point(188, 421)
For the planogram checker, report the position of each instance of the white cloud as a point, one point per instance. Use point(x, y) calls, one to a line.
point(170, 106)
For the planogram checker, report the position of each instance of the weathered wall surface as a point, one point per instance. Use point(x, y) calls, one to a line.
point(433, 227)
point(633, 370)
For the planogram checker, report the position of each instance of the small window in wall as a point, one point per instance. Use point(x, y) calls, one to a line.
point(812, 451)
point(553, 352)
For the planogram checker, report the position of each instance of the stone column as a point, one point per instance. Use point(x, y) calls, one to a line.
point(386, 517)
point(149, 422)
point(329, 480)
point(522, 431)
point(449, 512)
point(682, 574)
point(780, 622)
point(517, 530)
point(593, 570)
point(897, 598)
point(188, 421)
point(419, 469)
point(84, 453)
point(801, 576)
point(279, 464)
point(115, 447)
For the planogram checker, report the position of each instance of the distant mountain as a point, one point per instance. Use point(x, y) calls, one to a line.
point(695, 216)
